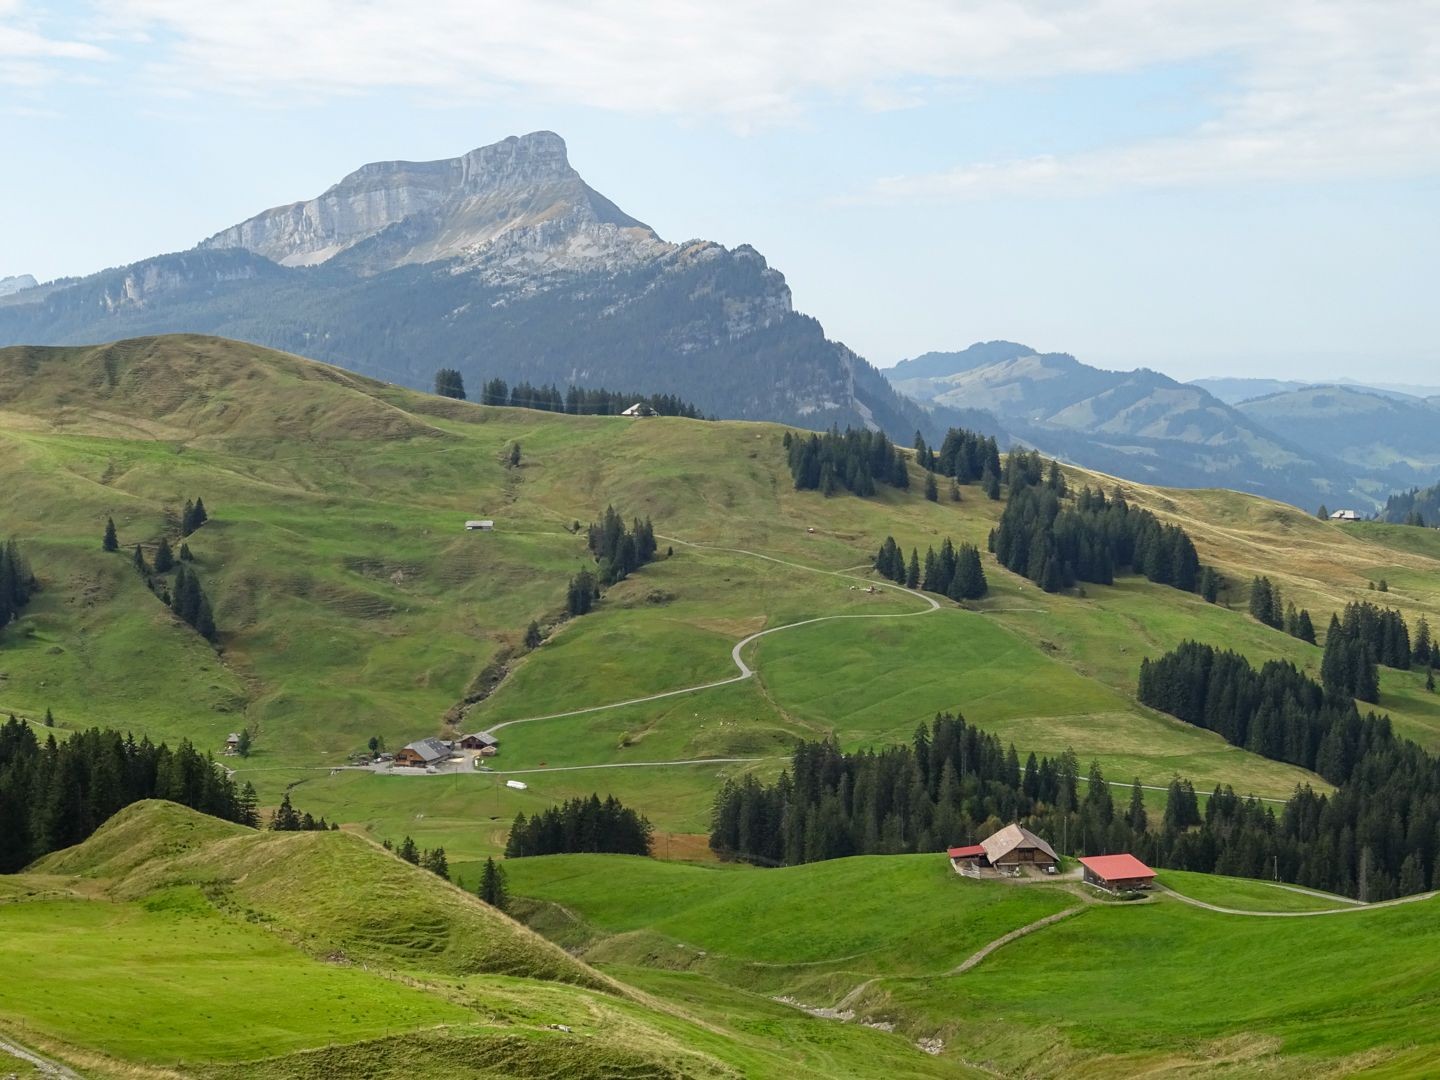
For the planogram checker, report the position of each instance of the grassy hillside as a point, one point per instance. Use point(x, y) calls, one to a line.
point(351, 603)
point(1114, 989)
point(299, 955)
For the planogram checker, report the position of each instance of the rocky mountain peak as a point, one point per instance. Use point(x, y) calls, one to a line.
point(519, 197)
point(16, 284)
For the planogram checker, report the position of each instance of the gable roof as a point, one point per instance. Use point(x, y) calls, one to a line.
point(1011, 838)
point(429, 749)
point(1117, 867)
point(484, 738)
point(970, 851)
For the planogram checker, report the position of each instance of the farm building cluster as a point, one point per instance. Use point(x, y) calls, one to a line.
point(1015, 851)
point(432, 753)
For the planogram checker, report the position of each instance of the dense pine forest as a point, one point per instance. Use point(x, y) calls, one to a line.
point(967, 456)
point(1379, 834)
point(54, 794)
point(854, 461)
point(1377, 837)
point(580, 825)
point(17, 582)
point(1055, 541)
point(577, 401)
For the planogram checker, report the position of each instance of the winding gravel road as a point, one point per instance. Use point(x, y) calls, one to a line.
point(746, 671)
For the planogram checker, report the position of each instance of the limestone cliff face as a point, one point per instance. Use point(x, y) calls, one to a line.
point(15, 284)
point(517, 200)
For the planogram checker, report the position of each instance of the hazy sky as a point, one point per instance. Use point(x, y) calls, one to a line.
point(1201, 187)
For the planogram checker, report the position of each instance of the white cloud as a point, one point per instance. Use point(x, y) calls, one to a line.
point(1320, 85)
point(28, 55)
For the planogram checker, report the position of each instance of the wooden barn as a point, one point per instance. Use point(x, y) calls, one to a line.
point(422, 752)
point(1015, 846)
point(1117, 873)
point(481, 740)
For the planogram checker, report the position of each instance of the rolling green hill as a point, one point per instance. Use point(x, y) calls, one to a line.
point(170, 944)
point(351, 602)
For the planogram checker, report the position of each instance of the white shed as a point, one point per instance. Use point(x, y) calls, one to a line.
point(483, 526)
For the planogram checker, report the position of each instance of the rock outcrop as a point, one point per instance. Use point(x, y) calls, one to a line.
point(516, 207)
point(16, 284)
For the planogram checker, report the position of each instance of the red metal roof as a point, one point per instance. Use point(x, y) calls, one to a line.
point(971, 852)
point(1117, 867)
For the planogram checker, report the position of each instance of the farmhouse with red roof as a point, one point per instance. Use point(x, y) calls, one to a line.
point(1117, 873)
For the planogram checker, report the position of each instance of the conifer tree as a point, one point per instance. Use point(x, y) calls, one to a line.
point(408, 851)
point(954, 490)
point(243, 746)
point(1137, 817)
point(285, 818)
point(514, 455)
point(912, 572)
point(448, 383)
point(164, 558)
point(111, 542)
point(435, 861)
point(492, 885)
point(185, 555)
point(247, 806)
point(931, 491)
point(139, 560)
point(532, 635)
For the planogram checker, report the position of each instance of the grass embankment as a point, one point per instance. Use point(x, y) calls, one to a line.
point(1115, 990)
point(297, 955)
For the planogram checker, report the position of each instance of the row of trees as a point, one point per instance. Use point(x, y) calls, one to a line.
point(1413, 507)
point(576, 401)
point(17, 582)
point(966, 456)
point(55, 794)
point(854, 461)
point(1377, 836)
point(953, 784)
point(1056, 542)
point(189, 602)
point(580, 825)
point(432, 859)
point(285, 818)
point(954, 572)
point(1267, 605)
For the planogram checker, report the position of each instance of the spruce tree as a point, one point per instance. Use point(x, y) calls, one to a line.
point(932, 492)
point(139, 560)
point(492, 885)
point(164, 558)
point(285, 818)
point(532, 635)
point(448, 383)
point(111, 542)
point(514, 455)
point(912, 572)
point(185, 555)
point(408, 851)
point(436, 862)
point(243, 746)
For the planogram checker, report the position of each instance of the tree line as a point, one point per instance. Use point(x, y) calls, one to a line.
point(1267, 605)
point(55, 794)
point(285, 818)
point(854, 461)
point(1056, 542)
point(1377, 836)
point(580, 825)
point(1414, 507)
point(432, 859)
point(17, 582)
point(966, 456)
point(955, 572)
point(952, 784)
point(576, 400)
